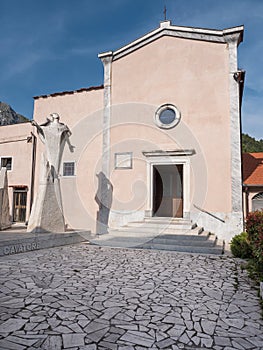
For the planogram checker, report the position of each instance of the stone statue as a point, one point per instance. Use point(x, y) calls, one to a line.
point(47, 212)
point(4, 201)
point(54, 135)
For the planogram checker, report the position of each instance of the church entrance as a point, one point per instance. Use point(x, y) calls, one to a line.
point(168, 190)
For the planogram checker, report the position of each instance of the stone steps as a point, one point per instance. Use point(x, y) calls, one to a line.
point(180, 235)
point(206, 239)
point(155, 232)
point(217, 250)
point(162, 223)
point(155, 228)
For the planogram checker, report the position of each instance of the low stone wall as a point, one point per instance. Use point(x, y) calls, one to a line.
point(41, 241)
point(226, 228)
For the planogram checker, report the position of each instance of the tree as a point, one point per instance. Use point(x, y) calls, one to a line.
point(251, 145)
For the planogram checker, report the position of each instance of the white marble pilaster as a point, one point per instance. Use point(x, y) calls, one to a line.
point(235, 129)
point(105, 189)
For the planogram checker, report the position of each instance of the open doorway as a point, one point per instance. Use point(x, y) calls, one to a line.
point(168, 190)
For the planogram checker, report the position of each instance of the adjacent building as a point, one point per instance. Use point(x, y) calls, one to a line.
point(252, 182)
point(17, 153)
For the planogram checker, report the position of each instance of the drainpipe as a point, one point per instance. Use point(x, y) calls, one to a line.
point(247, 202)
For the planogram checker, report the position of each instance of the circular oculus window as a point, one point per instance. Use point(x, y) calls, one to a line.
point(167, 116)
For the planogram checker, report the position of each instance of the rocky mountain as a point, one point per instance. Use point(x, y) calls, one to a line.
point(9, 116)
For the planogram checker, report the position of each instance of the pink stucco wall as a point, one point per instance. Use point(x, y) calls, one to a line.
point(82, 113)
point(194, 76)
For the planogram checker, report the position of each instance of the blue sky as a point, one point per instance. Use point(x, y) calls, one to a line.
point(52, 45)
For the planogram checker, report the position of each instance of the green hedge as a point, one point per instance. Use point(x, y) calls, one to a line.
point(254, 229)
point(240, 246)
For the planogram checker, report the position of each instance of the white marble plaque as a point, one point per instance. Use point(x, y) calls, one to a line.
point(123, 160)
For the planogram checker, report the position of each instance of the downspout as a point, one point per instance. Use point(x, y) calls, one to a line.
point(247, 203)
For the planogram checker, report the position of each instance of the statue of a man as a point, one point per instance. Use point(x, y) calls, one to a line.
point(47, 211)
point(54, 135)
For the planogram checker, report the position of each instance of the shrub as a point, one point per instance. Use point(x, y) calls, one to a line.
point(240, 246)
point(254, 228)
point(255, 270)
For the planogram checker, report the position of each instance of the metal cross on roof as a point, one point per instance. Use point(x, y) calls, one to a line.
point(165, 12)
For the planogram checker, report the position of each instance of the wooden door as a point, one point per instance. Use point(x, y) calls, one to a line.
point(19, 206)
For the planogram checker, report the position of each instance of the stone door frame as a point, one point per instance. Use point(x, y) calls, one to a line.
point(168, 160)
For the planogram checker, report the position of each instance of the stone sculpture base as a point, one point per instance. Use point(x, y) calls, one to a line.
point(47, 214)
point(4, 201)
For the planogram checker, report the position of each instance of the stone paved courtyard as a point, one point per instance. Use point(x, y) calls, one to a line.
point(87, 297)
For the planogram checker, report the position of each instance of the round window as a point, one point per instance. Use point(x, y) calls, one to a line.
point(167, 116)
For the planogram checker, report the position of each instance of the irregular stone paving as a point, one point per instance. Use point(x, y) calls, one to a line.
point(86, 297)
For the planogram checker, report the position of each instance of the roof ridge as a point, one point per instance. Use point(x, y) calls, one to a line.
point(167, 28)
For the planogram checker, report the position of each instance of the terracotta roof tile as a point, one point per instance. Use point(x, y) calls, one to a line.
point(253, 168)
point(70, 92)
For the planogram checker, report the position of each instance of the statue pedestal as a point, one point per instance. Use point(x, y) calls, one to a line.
point(47, 214)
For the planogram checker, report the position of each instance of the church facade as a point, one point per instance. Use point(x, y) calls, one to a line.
point(159, 138)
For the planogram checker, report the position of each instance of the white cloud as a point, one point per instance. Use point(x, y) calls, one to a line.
point(22, 63)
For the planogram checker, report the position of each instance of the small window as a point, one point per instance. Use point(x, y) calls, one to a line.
point(6, 162)
point(69, 169)
point(167, 116)
point(257, 202)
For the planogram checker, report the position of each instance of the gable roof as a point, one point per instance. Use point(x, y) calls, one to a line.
point(166, 28)
point(253, 169)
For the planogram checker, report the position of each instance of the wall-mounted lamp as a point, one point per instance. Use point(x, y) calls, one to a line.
point(238, 76)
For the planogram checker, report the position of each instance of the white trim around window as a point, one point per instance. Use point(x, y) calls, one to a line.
point(9, 168)
point(69, 169)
